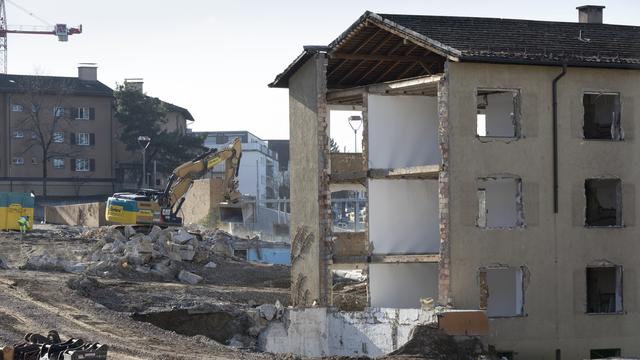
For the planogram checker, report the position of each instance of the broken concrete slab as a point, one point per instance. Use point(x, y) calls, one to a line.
point(189, 277)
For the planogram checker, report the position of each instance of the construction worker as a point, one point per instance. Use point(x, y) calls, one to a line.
point(23, 222)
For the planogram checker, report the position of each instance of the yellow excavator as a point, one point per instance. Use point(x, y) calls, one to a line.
point(161, 207)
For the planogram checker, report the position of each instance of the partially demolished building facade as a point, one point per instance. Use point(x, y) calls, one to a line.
point(498, 165)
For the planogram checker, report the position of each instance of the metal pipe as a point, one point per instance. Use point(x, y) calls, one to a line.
point(554, 92)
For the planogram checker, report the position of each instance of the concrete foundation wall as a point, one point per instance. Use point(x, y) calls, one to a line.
point(556, 248)
point(91, 214)
point(402, 285)
point(403, 216)
point(321, 332)
point(402, 131)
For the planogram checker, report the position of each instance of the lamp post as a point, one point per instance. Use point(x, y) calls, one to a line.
point(353, 120)
point(144, 142)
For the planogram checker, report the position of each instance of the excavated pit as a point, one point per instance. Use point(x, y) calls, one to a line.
point(220, 326)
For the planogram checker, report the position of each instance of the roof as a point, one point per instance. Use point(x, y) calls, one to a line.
point(490, 40)
point(10, 83)
point(177, 109)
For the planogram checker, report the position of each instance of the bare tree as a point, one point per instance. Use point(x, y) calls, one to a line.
point(45, 115)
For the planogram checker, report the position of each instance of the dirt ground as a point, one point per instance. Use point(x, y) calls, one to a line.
point(104, 309)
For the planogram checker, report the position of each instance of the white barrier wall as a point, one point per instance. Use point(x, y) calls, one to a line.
point(403, 131)
point(402, 285)
point(403, 216)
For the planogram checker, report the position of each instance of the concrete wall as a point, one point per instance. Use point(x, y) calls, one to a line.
point(556, 248)
point(402, 285)
point(350, 244)
point(309, 190)
point(321, 332)
point(409, 123)
point(201, 202)
point(403, 216)
point(91, 214)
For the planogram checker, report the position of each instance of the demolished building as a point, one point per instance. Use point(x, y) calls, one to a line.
point(497, 171)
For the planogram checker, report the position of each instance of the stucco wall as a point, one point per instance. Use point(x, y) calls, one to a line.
point(308, 143)
point(555, 248)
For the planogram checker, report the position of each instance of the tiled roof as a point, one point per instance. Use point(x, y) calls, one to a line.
point(52, 84)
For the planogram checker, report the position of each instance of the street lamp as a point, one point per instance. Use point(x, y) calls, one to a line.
point(144, 142)
point(355, 121)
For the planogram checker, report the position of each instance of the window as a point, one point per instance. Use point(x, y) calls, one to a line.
point(602, 116)
point(240, 253)
point(604, 289)
point(498, 113)
point(84, 113)
point(18, 161)
point(221, 139)
point(505, 355)
point(34, 135)
point(604, 353)
point(18, 134)
point(16, 108)
point(58, 137)
point(35, 108)
point(502, 291)
point(500, 203)
point(83, 139)
point(83, 165)
point(604, 202)
point(58, 111)
point(58, 163)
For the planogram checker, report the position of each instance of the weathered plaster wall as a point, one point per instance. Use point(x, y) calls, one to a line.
point(403, 216)
point(91, 214)
point(201, 202)
point(309, 184)
point(409, 123)
point(402, 285)
point(555, 248)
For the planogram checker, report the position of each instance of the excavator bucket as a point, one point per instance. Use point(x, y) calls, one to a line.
point(231, 213)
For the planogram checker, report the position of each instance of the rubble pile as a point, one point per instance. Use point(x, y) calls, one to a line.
point(160, 254)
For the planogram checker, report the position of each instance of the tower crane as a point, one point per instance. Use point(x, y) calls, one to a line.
point(62, 31)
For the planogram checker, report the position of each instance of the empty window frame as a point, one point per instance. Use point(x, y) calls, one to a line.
point(502, 291)
point(498, 113)
point(604, 353)
point(602, 116)
point(500, 203)
point(603, 202)
point(604, 289)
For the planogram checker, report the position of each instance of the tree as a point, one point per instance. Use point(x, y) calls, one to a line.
point(142, 115)
point(333, 146)
point(44, 117)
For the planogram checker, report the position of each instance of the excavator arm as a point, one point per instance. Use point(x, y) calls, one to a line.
point(184, 175)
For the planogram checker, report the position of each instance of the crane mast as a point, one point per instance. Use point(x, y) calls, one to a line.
point(59, 30)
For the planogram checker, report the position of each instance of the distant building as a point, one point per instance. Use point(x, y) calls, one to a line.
point(259, 173)
point(281, 147)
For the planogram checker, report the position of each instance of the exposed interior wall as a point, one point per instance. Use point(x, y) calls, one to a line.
point(403, 216)
point(500, 199)
point(505, 292)
point(402, 131)
point(497, 113)
point(402, 285)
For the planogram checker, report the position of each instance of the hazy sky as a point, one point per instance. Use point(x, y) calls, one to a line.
point(217, 57)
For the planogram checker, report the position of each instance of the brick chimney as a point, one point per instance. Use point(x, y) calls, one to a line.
point(88, 71)
point(590, 14)
point(134, 84)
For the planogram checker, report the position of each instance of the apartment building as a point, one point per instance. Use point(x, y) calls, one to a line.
point(499, 170)
point(259, 166)
point(80, 150)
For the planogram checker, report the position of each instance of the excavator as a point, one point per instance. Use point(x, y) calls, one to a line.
point(148, 207)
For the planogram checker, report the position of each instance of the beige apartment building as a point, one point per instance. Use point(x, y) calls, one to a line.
point(81, 151)
point(498, 163)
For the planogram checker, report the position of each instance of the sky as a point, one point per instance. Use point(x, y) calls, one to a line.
point(216, 57)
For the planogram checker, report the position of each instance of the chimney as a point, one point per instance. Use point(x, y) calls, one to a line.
point(133, 84)
point(590, 14)
point(88, 71)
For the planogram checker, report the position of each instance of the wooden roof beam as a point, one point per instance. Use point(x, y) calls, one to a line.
point(378, 47)
point(364, 43)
